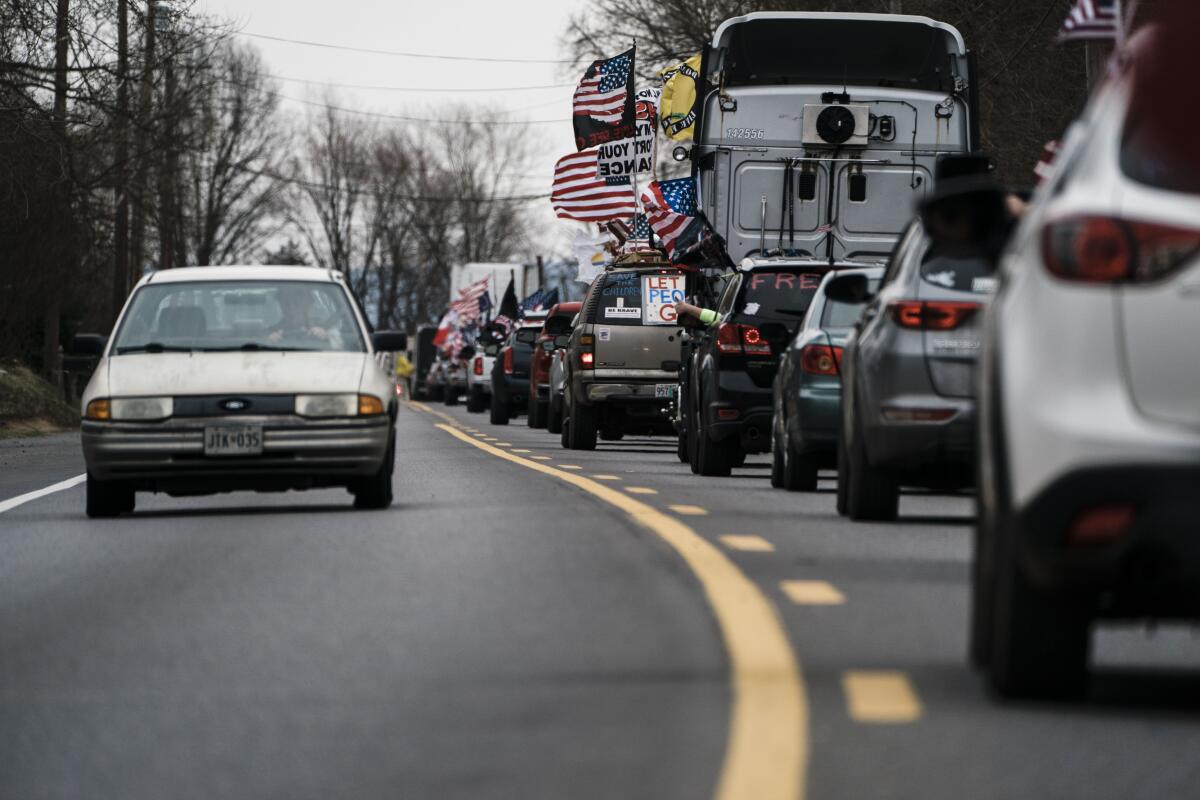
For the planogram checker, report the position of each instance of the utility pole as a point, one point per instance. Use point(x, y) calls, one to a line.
point(167, 196)
point(53, 313)
point(120, 271)
point(137, 248)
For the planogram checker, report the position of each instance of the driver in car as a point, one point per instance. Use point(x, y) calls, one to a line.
point(295, 319)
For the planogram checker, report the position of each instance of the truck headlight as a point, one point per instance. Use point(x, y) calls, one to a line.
point(141, 408)
point(326, 405)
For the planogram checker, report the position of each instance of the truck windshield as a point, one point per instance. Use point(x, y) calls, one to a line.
point(837, 52)
point(239, 315)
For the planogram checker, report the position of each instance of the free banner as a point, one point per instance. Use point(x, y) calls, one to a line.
point(660, 293)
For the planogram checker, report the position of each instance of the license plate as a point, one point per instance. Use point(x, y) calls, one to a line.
point(242, 440)
point(665, 389)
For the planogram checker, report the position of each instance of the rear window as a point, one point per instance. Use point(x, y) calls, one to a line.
point(622, 299)
point(844, 315)
point(959, 274)
point(777, 295)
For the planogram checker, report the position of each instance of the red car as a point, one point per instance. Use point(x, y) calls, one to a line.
point(558, 321)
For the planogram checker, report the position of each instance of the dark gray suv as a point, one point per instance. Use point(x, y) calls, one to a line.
point(908, 388)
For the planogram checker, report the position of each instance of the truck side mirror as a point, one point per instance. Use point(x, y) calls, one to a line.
point(389, 341)
point(562, 340)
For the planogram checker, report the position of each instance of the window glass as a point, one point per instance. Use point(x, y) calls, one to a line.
point(240, 315)
point(959, 274)
point(837, 315)
point(778, 295)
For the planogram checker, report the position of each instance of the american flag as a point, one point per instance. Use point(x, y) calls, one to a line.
point(469, 304)
point(670, 208)
point(604, 89)
point(640, 229)
point(579, 195)
point(1045, 167)
point(1092, 19)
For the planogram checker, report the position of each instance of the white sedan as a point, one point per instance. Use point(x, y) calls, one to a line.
point(219, 379)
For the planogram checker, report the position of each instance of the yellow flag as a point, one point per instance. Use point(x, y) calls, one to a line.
point(678, 107)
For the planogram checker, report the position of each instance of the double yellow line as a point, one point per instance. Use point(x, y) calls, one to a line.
point(766, 754)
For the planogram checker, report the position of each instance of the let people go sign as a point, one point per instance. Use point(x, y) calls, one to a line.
point(660, 293)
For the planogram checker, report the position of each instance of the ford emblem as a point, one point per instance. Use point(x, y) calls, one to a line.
point(235, 405)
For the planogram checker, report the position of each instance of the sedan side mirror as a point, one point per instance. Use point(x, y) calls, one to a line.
point(562, 340)
point(88, 344)
point(849, 289)
point(390, 341)
point(527, 335)
point(548, 345)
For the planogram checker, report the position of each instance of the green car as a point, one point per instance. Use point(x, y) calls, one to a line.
point(808, 389)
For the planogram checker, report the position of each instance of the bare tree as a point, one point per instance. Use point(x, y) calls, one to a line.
point(231, 168)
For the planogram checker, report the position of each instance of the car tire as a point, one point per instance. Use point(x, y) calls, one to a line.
point(375, 492)
point(499, 412)
point(777, 460)
point(107, 499)
point(437, 393)
point(476, 400)
point(693, 434)
point(681, 446)
point(581, 431)
point(871, 494)
point(554, 415)
point(1040, 639)
point(799, 470)
point(536, 415)
point(843, 475)
point(450, 397)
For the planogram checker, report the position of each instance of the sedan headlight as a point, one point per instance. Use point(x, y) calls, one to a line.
point(141, 408)
point(326, 405)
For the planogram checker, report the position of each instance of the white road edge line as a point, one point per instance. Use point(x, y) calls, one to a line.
point(20, 500)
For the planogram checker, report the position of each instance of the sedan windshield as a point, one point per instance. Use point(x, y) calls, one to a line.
point(239, 315)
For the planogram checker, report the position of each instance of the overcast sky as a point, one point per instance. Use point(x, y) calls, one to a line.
point(477, 28)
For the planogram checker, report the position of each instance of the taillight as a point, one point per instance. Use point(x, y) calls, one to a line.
point(741, 339)
point(508, 361)
point(1094, 249)
point(587, 358)
point(478, 367)
point(821, 359)
point(931, 315)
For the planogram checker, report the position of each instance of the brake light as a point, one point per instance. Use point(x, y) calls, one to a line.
point(931, 315)
point(1094, 249)
point(741, 339)
point(478, 366)
point(508, 361)
point(587, 358)
point(1102, 524)
point(821, 359)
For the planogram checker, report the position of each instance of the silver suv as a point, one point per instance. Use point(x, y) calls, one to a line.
point(622, 362)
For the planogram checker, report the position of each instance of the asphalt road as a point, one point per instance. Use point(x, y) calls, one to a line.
point(503, 633)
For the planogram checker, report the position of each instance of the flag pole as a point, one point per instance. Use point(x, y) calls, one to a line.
point(637, 197)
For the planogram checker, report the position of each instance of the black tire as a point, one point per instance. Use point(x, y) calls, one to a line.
point(476, 400)
point(107, 499)
point(778, 459)
point(437, 393)
point(843, 475)
point(450, 396)
point(375, 492)
point(554, 415)
point(1040, 640)
point(681, 447)
point(581, 428)
point(799, 470)
point(499, 412)
point(693, 433)
point(871, 494)
point(536, 415)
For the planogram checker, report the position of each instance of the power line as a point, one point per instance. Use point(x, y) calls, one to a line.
point(405, 118)
point(377, 88)
point(520, 198)
point(404, 54)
